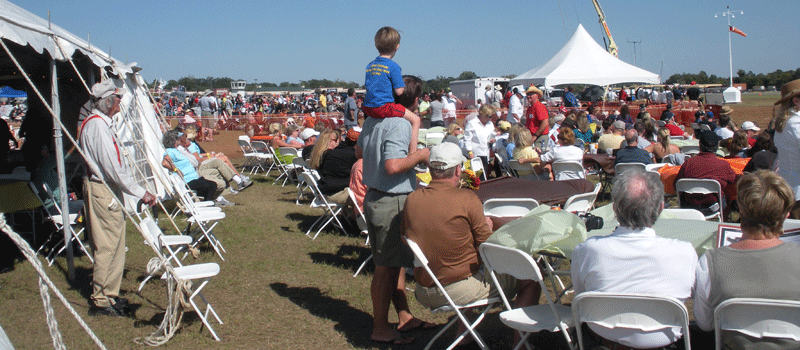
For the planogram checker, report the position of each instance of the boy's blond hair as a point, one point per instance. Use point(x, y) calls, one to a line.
point(386, 40)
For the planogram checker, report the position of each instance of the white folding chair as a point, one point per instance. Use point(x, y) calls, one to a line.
point(702, 186)
point(477, 165)
point(686, 214)
point(758, 318)
point(332, 210)
point(551, 317)
point(654, 166)
point(206, 219)
point(250, 159)
point(515, 166)
point(433, 138)
point(201, 272)
point(421, 261)
point(163, 242)
point(568, 169)
point(262, 157)
point(500, 159)
point(630, 311)
point(300, 165)
point(509, 207)
point(582, 203)
point(286, 168)
point(623, 167)
point(361, 222)
point(58, 222)
point(690, 149)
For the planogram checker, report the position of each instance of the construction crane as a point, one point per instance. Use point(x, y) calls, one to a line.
point(612, 46)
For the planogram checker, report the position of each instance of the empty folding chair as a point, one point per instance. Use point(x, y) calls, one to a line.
point(57, 219)
point(170, 245)
point(551, 317)
point(509, 207)
point(582, 203)
point(262, 156)
point(421, 261)
point(332, 210)
point(205, 220)
point(636, 312)
point(568, 169)
point(500, 159)
point(249, 155)
point(287, 172)
point(759, 318)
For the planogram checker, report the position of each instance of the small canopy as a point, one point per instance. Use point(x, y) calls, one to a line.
point(7, 91)
point(583, 61)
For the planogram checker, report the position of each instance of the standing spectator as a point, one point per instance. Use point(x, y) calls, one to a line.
point(569, 98)
point(437, 117)
point(106, 222)
point(536, 116)
point(350, 110)
point(425, 110)
point(787, 139)
point(623, 95)
point(634, 259)
point(208, 104)
point(515, 107)
point(478, 133)
point(450, 100)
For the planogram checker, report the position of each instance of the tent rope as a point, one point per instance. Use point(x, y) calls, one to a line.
point(178, 292)
point(44, 283)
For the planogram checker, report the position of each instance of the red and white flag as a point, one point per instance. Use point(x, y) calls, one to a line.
point(737, 31)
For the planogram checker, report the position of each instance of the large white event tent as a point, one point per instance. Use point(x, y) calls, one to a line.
point(57, 70)
point(583, 61)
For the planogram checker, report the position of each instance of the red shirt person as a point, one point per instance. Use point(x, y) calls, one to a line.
point(536, 114)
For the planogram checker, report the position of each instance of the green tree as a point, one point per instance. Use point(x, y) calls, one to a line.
point(466, 75)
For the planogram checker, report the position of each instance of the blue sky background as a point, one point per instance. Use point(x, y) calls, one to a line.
point(276, 41)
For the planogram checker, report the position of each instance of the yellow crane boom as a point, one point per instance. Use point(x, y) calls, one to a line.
point(612, 46)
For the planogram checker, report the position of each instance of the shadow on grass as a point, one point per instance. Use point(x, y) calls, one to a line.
point(354, 324)
point(304, 223)
point(347, 257)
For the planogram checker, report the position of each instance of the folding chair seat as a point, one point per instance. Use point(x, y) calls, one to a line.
point(421, 261)
point(701, 186)
point(332, 210)
point(529, 319)
point(205, 219)
point(200, 273)
point(262, 157)
point(509, 207)
point(568, 169)
point(759, 318)
point(361, 222)
point(57, 219)
point(690, 150)
point(630, 311)
point(584, 202)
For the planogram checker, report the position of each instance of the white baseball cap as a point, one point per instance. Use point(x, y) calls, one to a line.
point(447, 155)
point(750, 126)
point(308, 133)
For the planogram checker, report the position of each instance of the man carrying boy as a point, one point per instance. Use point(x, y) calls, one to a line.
point(384, 77)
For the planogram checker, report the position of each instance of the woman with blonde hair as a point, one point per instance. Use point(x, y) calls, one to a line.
point(524, 153)
point(326, 141)
point(452, 135)
point(663, 147)
point(787, 139)
point(564, 151)
point(584, 131)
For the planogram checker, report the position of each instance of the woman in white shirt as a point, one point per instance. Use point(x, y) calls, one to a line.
point(478, 133)
point(787, 140)
point(564, 151)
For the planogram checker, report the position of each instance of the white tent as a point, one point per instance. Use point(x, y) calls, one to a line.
point(583, 61)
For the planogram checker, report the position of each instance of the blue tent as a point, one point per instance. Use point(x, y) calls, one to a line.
point(7, 91)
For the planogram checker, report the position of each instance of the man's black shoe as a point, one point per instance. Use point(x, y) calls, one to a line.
point(105, 311)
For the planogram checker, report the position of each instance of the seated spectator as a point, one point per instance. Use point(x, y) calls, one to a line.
point(565, 151)
point(614, 138)
point(309, 137)
point(572, 124)
point(706, 165)
point(632, 153)
point(759, 265)
point(752, 130)
point(448, 225)
point(500, 143)
point(524, 153)
point(212, 167)
point(175, 160)
point(674, 128)
point(512, 142)
point(762, 155)
point(606, 126)
point(639, 126)
point(334, 163)
point(737, 145)
point(293, 137)
point(584, 130)
point(663, 147)
point(453, 132)
point(634, 259)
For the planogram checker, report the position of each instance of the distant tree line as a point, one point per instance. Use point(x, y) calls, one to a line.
point(776, 78)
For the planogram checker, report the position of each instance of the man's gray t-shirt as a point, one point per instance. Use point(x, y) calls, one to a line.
point(205, 103)
point(350, 113)
point(436, 111)
point(383, 139)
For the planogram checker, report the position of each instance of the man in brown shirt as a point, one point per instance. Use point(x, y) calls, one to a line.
point(448, 224)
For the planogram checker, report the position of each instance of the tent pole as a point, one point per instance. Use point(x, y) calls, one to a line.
point(62, 182)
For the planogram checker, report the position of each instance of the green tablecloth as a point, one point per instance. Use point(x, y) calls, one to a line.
point(558, 232)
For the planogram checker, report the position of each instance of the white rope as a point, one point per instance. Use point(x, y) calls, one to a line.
point(177, 292)
point(45, 282)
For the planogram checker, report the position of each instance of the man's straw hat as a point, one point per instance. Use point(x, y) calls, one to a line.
point(789, 90)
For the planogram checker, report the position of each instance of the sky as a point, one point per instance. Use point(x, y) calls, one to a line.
point(278, 41)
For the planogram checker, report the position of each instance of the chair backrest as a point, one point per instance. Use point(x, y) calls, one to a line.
point(311, 180)
point(517, 166)
point(568, 167)
point(289, 151)
point(582, 203)
point(300, 163)
point(686, 214)
point(361, 218)
point(433, 138)
point(632, 311)
point(244, 137)
point(509, 207)
point(676, 137)
point(260, 147)
point(622, 167)
point(513, 262)
point(245, 146)
point(477, 165)
point(758, 318)
point(703, 186)
point(655, 166)
point(690, 149)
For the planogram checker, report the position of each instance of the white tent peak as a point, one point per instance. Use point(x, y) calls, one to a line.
point(583, 61)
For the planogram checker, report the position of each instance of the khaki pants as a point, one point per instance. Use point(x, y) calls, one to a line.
point(478, 286)
point(107, 230)
point(216, 170)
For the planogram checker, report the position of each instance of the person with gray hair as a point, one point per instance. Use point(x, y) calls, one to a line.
point(633, 259)
point(103, 208)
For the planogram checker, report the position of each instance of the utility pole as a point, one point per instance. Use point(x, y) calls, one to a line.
point(634, 49)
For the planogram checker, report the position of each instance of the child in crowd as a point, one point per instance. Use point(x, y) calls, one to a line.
point(383, 78)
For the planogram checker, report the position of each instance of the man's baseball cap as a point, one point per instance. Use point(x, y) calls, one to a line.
point(750, 126)
point(446, 155)
point(619, 125)
point(107, 88)
point(308, 133)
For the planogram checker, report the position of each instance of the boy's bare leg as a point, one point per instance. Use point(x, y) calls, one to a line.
point(413, 118)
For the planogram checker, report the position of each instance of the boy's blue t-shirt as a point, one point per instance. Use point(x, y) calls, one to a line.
point(382, 77)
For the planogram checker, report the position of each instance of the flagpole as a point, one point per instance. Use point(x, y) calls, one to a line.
point(730, 14)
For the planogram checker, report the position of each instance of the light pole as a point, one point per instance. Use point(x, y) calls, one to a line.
point(730, 14)
point(634, 42)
